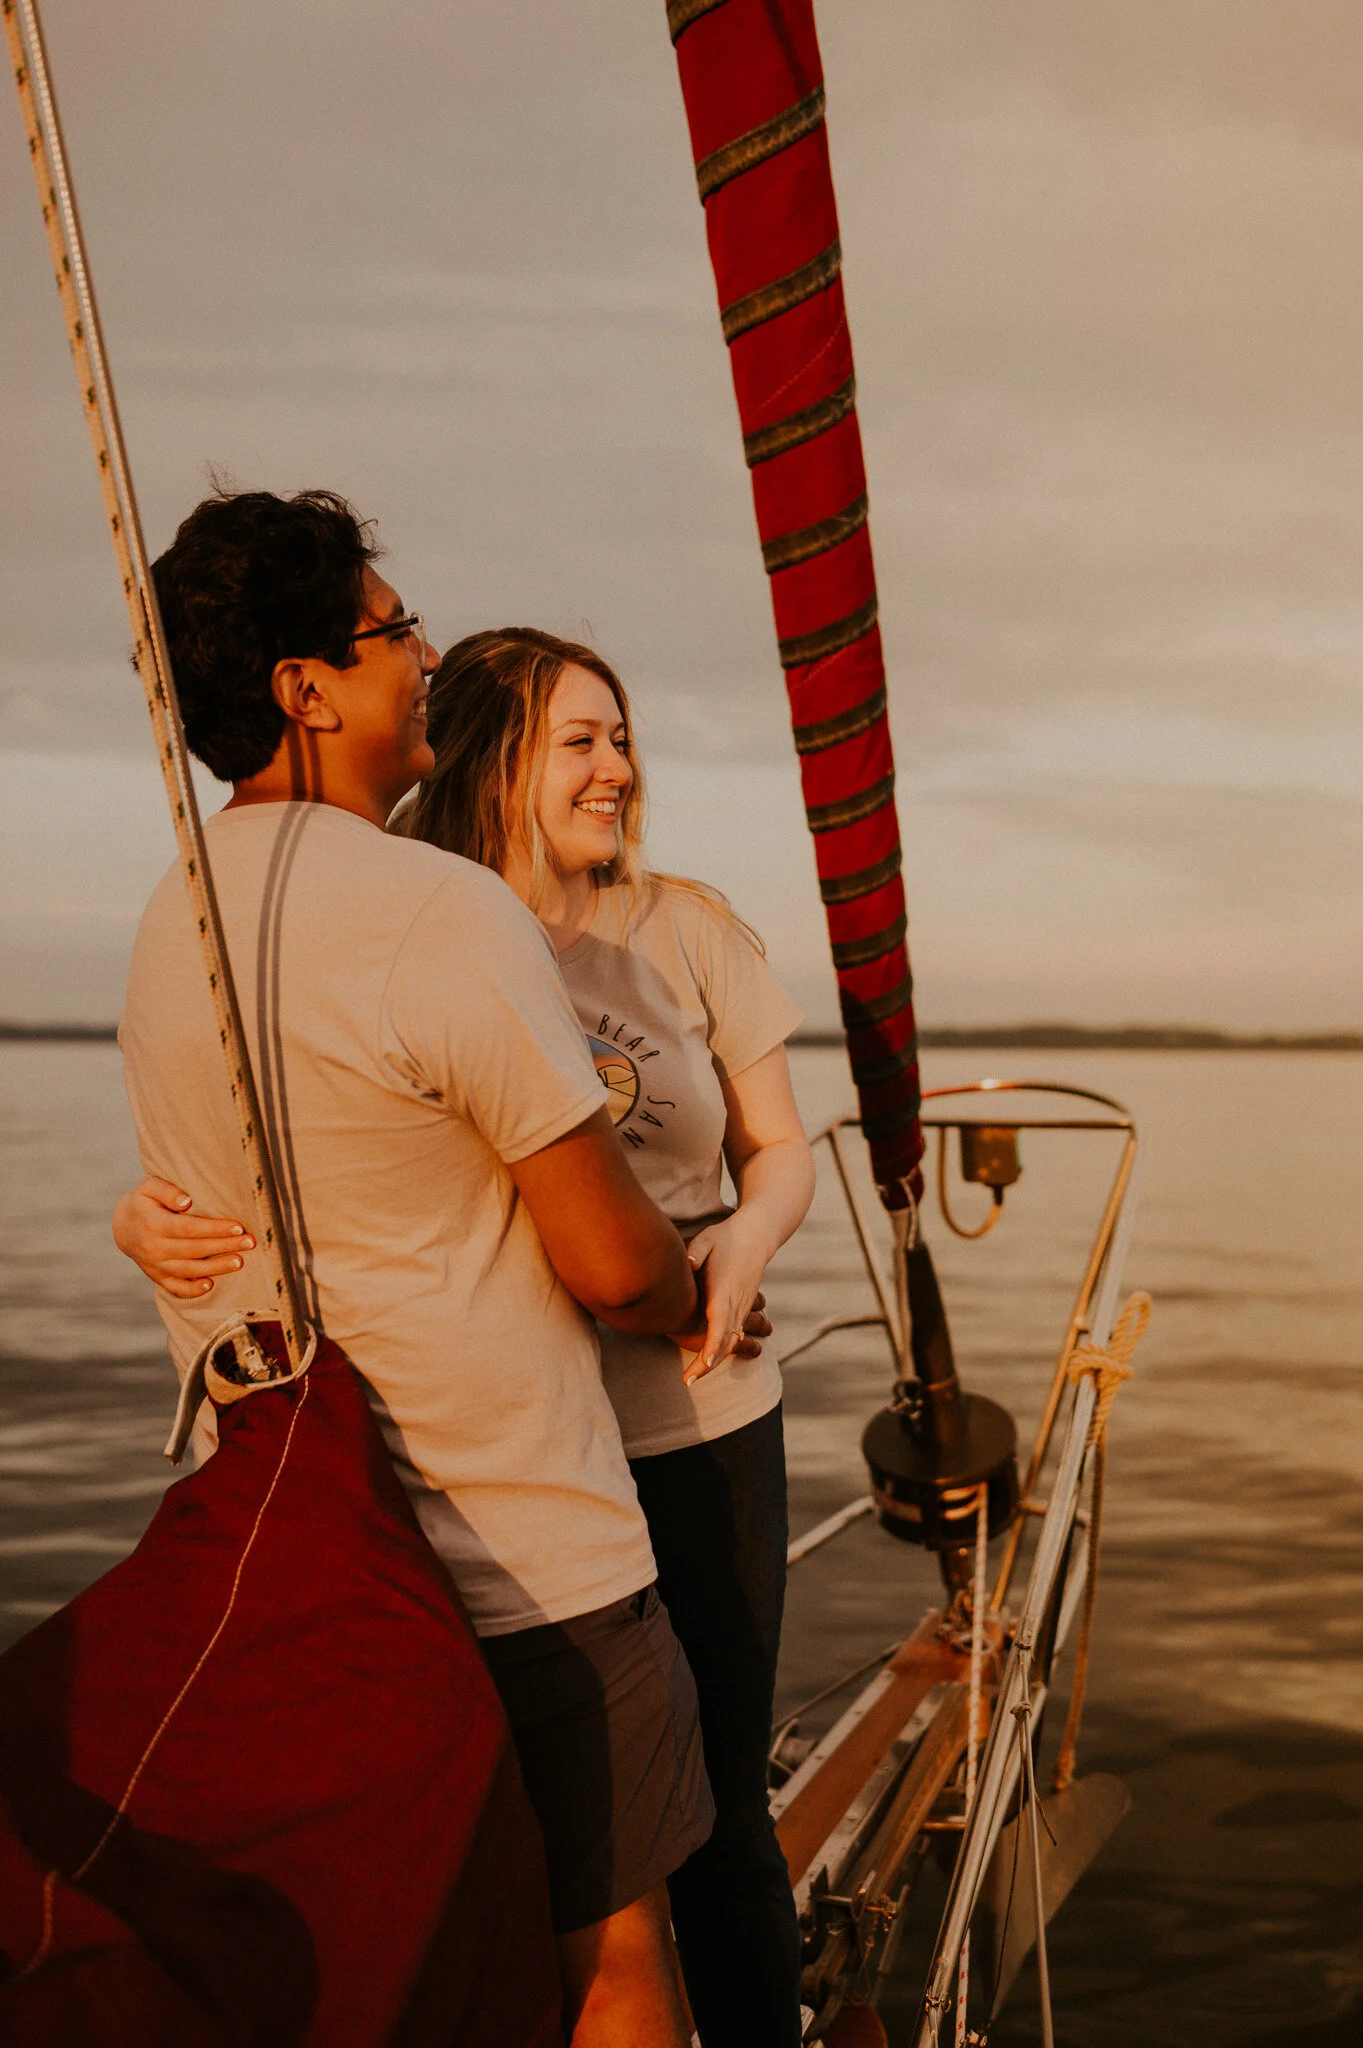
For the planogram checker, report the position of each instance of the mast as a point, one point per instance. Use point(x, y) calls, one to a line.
point(753, 85)
point(23, 32)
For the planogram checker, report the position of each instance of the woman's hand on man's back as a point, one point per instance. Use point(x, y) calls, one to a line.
point(181, 1253)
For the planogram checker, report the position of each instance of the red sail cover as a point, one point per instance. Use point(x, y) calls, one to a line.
point(753, 86)
point(257, 1786)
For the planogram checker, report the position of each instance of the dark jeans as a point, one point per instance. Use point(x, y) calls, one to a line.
point(717, 1516)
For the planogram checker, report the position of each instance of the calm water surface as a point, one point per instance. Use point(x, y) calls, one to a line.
point(1228, 1684)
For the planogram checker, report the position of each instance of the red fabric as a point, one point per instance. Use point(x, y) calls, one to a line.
point(773, 219)
point(786, 364)
point(863, 845)
point(742, 64)
point(853, 764)
point(836, 683)
point(738, 72)
point(329, 1843)
point(771, 383)
point(827, 587)
point(867, 915)
point(795, 490)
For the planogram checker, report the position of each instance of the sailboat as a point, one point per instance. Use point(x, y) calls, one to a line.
point(938, 1750)
point(936, 1754)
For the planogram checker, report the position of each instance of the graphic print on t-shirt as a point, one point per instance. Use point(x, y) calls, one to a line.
point(619, 1077)
point(617, 1060)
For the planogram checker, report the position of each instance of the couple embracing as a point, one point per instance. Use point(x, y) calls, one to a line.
point(502, 1067)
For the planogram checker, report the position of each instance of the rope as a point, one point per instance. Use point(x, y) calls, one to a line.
point(1110, 1369)
point(49, 1928)
point(904, 1226)
point(42, 126)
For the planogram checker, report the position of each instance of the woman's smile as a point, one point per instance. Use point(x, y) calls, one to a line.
point(586, 774)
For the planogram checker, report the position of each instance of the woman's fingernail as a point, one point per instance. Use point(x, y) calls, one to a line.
point(207, 1287)
point(248, 1244)
point(236, 1265)
point(183, 1202)
point(234, 1230)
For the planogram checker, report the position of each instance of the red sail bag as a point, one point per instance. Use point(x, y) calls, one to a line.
point(257, 1785)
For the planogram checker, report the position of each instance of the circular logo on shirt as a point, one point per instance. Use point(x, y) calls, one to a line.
point(619, 1077)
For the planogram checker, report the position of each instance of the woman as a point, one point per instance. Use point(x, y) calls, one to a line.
point(535, 777)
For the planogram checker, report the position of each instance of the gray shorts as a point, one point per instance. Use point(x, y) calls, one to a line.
point(603, 1712)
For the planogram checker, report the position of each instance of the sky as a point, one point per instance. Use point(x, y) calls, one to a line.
point(1104, 269)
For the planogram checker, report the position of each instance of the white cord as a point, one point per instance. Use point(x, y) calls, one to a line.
point(1033, 1809)
point(972, 1753)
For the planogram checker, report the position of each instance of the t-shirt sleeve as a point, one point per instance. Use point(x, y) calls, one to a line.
point(749, 1011)
point(476, 1017)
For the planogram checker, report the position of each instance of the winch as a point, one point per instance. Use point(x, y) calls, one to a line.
point(935, 1445)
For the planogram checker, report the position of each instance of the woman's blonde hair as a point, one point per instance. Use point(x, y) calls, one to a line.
point(488, 723)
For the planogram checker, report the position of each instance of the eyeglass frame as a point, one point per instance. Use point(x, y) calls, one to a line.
point(414, 623)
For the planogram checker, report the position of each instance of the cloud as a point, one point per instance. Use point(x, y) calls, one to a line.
point(1099, 272)
point(1212, 857)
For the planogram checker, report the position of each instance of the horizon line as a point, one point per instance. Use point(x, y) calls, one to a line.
point(932, 1037)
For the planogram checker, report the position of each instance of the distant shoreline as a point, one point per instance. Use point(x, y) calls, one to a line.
point(933, 1038)
point(72, 1034)
point(1113, 1038)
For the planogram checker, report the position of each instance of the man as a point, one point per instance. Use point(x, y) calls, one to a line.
point(457, 1199)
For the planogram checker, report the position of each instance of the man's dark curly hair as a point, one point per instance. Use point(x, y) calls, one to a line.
point(251, 580)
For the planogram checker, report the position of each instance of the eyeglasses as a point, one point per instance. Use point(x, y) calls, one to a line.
point(413, 627)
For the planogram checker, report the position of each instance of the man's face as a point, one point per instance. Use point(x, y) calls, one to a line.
point(381, 698)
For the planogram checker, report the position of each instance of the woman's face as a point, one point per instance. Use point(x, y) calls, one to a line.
point(586, 774)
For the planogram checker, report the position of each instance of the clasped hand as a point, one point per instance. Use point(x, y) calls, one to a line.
point(728, 1260)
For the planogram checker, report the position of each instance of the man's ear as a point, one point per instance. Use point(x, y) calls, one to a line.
point(299, 689)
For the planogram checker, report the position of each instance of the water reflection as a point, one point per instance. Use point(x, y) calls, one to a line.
point(1228, 1683)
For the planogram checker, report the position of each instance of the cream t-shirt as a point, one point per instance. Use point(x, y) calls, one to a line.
point(411, 1040)
point(672, 996)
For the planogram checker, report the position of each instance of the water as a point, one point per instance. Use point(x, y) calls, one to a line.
point(1228, 1683)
